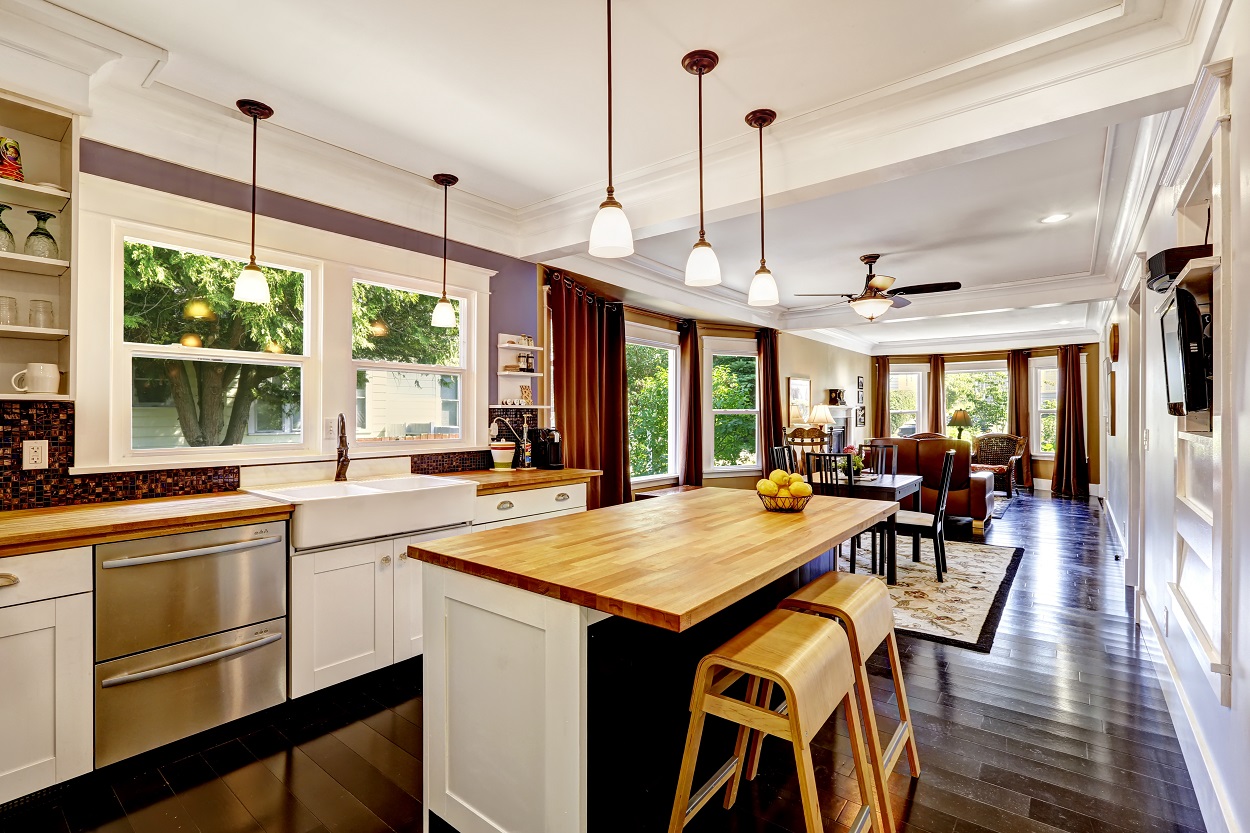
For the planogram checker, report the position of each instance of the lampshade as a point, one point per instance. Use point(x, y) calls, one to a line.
point(444, 314)
point(702, 267)
point(960, 419)
point(820, 415)
point(796, 414)
point(251, 286)
point(872, 307)
point(763, 289)
point(611, 235)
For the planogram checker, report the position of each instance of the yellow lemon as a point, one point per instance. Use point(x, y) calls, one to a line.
point(767, 488)
point(801, 489)
point(796, 478)
point(781, 478)
point(783, 492)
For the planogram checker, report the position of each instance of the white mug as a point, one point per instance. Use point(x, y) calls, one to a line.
point(38, 377)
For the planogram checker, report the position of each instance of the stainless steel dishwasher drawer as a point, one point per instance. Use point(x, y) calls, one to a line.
point(157, 697)
point(157, 591)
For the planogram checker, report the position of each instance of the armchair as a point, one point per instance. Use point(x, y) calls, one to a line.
point(999, 454)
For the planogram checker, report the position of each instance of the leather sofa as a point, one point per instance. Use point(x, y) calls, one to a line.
point(971, 492)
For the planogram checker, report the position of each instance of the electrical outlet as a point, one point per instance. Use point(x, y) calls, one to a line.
point(34, 454)
point(328, 428)
point(1145, 440)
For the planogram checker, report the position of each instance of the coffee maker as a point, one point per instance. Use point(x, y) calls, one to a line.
point(545, 449)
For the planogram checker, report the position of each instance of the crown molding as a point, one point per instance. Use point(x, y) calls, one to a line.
point(997, 341)
point(836, 338)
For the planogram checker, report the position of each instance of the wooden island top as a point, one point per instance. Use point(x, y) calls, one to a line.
point(494, 481)
point(670, 563)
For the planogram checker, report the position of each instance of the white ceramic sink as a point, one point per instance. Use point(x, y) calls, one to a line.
point(331, 513)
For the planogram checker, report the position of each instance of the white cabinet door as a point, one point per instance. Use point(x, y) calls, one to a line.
point(45, 693)
point(528, 518)
point(408, 628)
point(342, 614)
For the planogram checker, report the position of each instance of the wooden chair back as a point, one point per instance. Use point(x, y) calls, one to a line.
point(944, 487)
point(782, 457)
point(805, 440)
point(828, 470)
point(880, 458)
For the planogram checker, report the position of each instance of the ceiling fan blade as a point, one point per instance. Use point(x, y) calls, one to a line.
point(928, 288)
point(900, 302)
point(881, 282)
point(818, 308)
point(823, 295)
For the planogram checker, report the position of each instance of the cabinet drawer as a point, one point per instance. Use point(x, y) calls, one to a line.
point(44, 575)
point(508, 505)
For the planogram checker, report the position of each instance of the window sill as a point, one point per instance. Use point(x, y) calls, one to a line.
point(1042, 455)
point(719, 473)
point(654, 481)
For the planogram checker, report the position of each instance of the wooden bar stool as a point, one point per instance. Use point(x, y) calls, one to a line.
point(810, 660)
point(863, 605)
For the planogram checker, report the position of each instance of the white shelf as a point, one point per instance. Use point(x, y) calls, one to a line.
point(28, 195)
point(524, 348)
point(32, 333)
point(520, 373)
point(36, 397)
point(532, 407)
point(14, 262)
point(1198, 269)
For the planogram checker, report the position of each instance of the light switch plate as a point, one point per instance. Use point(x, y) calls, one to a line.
point(34, 454)
point(328, 428)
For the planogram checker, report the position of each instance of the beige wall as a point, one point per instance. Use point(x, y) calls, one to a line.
point(828, 367)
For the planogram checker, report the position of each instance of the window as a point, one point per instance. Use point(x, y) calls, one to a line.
point(981, 389)
point(651, 377)
point(908, 389)
point(735, 408)
point(409, 374)
point(1044, 396)
point(205, 370)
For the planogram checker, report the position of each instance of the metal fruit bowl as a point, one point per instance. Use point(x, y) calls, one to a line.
point(783, 504)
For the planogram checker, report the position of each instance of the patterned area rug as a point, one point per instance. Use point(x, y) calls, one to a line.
point(1002, 502)
point(962, 610)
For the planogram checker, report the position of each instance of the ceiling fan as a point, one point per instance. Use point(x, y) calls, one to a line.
point(877, 298)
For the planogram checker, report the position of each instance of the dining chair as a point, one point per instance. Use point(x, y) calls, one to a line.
point(880, 458)
point(930, 525)
point(827, 471)
point(781, 457)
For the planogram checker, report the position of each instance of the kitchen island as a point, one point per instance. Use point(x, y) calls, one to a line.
point(559, 654)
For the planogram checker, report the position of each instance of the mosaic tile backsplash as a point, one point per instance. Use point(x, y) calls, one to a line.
point(449, 462)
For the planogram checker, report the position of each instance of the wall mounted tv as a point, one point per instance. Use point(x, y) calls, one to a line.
point(1186, 354)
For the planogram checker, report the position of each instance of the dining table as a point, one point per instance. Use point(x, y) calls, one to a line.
point(891, 487)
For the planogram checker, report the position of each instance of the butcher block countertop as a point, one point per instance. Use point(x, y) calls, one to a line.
point(670, 563)
point(494, 481)
point(38, 530)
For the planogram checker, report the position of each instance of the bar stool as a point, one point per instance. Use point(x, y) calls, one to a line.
point(810, 659)
point(863, 605)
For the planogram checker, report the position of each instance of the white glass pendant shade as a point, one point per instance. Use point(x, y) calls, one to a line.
point(872, 307)
point(444, 314)
point(702, 267)
point(763, 289)
point(611, 234)
point(251, 286)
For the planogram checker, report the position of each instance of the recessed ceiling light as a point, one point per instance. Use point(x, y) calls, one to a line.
point(1056, 218)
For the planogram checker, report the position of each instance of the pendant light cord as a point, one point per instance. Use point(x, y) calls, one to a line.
point(701, 229)
point(761, 132)
point(611, 190)
point(255, 123)
point(445, 187)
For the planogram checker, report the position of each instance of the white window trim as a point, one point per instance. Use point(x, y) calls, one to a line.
point(1035, 414)
point(727, 347)
point(922, 394)
point(668, 340)
point(979, 366)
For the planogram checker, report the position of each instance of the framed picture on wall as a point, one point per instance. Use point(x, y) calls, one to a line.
point(800, 399)
point(859, 382)
point(861, 417)
point(859, 396)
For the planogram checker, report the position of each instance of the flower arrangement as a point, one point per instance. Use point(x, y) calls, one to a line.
point(857, 462)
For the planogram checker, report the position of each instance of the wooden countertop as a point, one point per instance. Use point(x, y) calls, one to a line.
point(670, 563)
point(38, 530)
point(494, 481)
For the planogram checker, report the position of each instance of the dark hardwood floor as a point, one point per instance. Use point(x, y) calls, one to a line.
point(1062, 727)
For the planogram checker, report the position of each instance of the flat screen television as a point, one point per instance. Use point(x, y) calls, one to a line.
point(1186, 354)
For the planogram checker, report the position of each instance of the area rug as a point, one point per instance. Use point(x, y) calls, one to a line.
point(964, 609)
point(1001, 504)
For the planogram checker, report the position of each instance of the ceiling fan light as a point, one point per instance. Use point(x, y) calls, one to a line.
point(702, 267)
point(444, 314)
point(763, 291)
point(250, 286)
point(611, 234)
point(872, 307)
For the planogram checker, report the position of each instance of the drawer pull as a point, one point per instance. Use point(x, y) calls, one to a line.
point(562, 496)
point(505, 505)
point(137, 676)
point(139, 561)
point(8, 579)
point(386, 559)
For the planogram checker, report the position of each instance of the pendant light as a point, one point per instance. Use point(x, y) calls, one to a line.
point(250, 285)
point(763, 287)
point(702, 267)
point(610, 234)
point(444, 313)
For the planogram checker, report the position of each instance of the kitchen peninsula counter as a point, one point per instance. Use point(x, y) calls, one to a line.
point(496, 481)
point(559, 654)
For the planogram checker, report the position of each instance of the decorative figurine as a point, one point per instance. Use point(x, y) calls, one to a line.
point(837, 396)
point(10, 160)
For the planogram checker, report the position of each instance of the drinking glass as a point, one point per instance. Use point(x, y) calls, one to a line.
point(41, 314)
point(8, 310)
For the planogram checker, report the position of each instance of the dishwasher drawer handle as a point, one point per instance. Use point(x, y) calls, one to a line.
point(137, 676)
point(8, 579)
point(562, 496)
point(139, 561)
point(505, 505)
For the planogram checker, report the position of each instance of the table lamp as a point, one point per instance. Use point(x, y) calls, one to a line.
point(960, 419)
point(796, 415)
point(822, 416)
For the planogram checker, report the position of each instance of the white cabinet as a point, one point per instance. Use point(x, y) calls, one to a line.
point(408, 630)
point(47, 661)
point(528, 505)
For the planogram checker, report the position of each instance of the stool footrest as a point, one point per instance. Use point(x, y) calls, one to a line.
point(897, 744)
point(862, 819)
point(714, 783)
point(744, 714)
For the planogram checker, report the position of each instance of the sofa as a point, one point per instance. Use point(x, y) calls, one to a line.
point(971, 492)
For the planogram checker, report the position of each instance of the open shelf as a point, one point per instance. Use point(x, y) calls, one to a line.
point(524, 348)
point(35, 397)
point(519, 373)
point(29, 195)
point(14, 262)
point(530, 407)
point(32, 333)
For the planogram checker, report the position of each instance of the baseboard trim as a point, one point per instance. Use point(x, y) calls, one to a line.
point(1115, 526)
point(1040, 485)
point(1210, 790)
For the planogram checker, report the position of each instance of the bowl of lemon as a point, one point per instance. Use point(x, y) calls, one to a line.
point(782, 491)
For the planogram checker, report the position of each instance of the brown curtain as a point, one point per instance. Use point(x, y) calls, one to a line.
point(1071, 477)
point(881, 396)
point(592, 406)
point(937, 394)
point(690, 426)
point(1019, 409)
point(772, 429)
